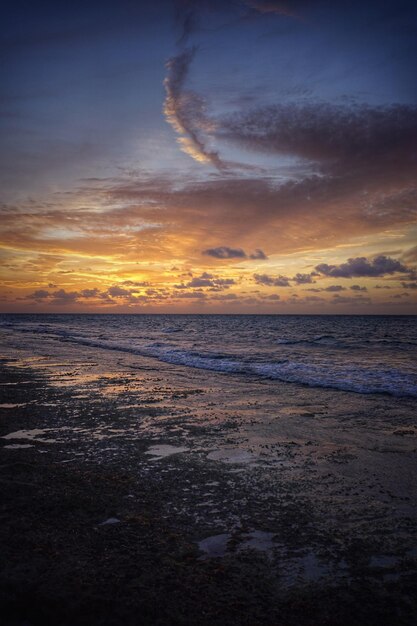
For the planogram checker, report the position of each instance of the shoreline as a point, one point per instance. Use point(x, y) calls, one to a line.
point(146, 487)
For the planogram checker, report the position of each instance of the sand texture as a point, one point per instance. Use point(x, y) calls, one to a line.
point(137, 492)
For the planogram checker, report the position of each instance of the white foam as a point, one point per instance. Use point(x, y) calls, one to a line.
point(31, 435)
point(162, 451)
point(110, 521)
point(232, 455)
point(11, 406)
point(215, 546)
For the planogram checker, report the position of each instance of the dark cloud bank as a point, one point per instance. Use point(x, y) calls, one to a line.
point(359, 267)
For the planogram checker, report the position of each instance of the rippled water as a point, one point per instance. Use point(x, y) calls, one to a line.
point(363, 354)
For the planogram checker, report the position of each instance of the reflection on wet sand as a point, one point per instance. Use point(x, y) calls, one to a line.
point(300, 477)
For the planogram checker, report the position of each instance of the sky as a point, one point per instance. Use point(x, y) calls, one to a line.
point(209, 156)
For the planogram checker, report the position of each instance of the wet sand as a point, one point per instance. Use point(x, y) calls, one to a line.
point(138, 492)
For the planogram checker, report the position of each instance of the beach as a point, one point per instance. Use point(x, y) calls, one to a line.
point(142, 490)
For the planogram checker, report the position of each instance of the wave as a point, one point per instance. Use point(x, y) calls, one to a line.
point(331, 375)
point(329, 372)
point(327, 340)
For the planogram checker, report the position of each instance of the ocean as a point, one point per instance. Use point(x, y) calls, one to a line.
point(361, 354)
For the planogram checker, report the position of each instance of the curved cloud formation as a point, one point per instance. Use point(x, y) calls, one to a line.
point(184, 110)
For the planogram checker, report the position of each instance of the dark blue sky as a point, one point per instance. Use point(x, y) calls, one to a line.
point(84, 80)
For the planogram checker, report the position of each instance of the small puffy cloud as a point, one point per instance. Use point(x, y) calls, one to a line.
point(313, 299)
point(273, 297)
point(224, 252)
point(303, 279)
point(337, 299)
point(40, 294)
point(227, 296)
point(207, 280)
point(258, 254)
point(271, 281)
point(198, 281)
point(115, 291)
point(284, 281)
point(199, 295)
point(361, 266)
point(334, 288)
point(135, 283)
point(330, 289)
point(64, 297)
point(90, 293)
point(358, 288)
point(409, 285)
point(60, 296)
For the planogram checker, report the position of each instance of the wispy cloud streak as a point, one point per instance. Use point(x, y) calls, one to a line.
point(184, 110)
point(271, 6)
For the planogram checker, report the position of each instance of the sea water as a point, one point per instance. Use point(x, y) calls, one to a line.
point(362, 354)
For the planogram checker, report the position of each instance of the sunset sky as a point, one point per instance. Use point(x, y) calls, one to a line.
point(209, 156)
